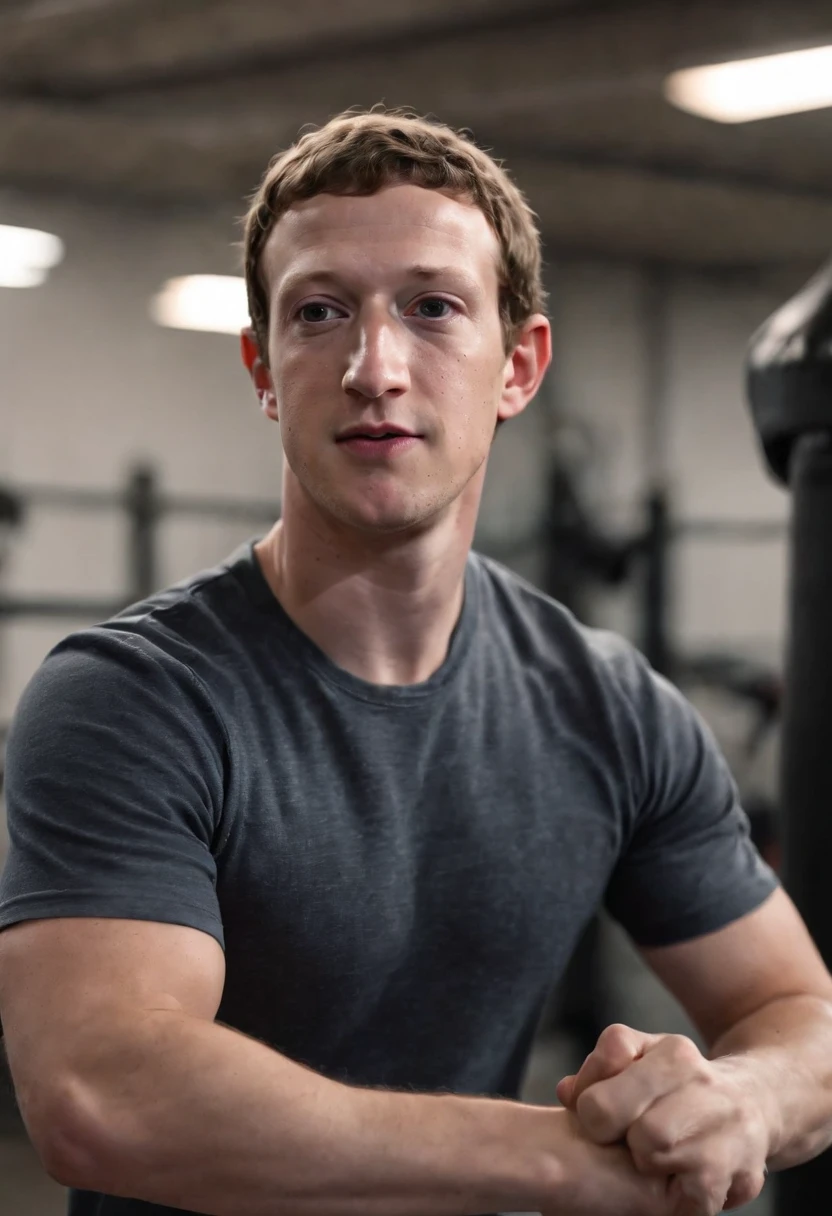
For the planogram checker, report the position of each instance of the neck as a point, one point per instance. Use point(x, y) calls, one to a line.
point(383, 607)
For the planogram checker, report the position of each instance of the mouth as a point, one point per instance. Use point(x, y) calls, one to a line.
point(378, 443)
point(375, 434)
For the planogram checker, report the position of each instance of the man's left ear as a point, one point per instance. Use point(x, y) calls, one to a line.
point(258, 369)
point(526, 366)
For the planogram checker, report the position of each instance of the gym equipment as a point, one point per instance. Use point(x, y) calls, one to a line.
point(145, 507)
point(789, 379)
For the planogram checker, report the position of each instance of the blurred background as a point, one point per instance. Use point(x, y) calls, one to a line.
point(678, 210)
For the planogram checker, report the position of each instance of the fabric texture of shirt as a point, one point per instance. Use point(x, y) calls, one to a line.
point(397, 875)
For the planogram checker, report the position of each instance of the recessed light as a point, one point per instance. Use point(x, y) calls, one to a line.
point(27, 255)
point(213, 303)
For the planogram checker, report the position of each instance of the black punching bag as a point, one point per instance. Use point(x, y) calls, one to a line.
point(790, 390)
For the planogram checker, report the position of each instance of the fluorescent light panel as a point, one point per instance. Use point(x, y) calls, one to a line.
point(27, 255)
point(212, 303)
point(750, 89)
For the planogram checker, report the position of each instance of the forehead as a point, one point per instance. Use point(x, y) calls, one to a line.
point(379, 233)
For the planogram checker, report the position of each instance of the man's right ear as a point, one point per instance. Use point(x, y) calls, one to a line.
point(261, 377)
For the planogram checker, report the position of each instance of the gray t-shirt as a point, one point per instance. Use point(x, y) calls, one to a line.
point(397, 875)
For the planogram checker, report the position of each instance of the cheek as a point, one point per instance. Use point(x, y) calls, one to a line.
point(470, 394)
point(299, 382)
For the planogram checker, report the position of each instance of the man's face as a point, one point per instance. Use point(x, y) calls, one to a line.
point(383, 313)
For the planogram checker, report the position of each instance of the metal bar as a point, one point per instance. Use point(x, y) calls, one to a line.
point(655, 311)
point(81, 499)
point(655, 584)
point(732, 530)
point(78, 498)
point(56, 607)
point(229, 509)
point(141, 542)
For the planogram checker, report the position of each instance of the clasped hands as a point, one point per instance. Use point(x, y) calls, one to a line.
point(698, 1123)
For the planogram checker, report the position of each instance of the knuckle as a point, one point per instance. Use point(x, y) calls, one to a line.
point(749, 1124)
point(746, 1187)
point(652, 1135)
point(684, 1049)
point(703, 1076)
point(594, 1112)
point(615, 1036)
point(709, 1189)
point(615, 1047)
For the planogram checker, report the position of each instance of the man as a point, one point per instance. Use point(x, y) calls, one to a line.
point(299, 847)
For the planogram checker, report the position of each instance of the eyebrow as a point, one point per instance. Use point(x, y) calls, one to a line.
point(426, 273)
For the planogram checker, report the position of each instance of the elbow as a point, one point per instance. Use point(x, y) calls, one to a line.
point(69, 1151)
point(69, 1162)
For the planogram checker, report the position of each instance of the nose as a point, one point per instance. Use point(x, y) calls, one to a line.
point(378, 364)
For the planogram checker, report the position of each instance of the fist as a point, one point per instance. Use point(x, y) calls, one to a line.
point(695, 1120)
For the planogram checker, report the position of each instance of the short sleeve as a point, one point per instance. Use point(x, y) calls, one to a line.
point(687, 865)
point(114, 788)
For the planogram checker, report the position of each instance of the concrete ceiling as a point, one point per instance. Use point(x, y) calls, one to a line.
point(171, 102)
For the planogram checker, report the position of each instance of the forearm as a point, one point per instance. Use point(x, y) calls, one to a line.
point(788, 1044)
point(195, 1115)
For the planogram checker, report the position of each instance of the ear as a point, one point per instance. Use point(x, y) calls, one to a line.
point(526, 366)
point(257, 368)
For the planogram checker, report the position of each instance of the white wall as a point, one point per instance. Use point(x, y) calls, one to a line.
point(88, 383)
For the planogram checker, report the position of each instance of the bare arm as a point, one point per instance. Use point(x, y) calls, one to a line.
point(129, 1087)
point(787, 1048)
point(760, 994)
point(174, 1110)
point(762, 999)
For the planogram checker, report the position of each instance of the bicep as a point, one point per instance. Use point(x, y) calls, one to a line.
point(722, 977)
point(61, 977)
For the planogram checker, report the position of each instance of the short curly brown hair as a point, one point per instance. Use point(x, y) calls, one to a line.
point(360, 152)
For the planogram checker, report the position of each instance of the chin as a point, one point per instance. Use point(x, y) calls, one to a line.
point(381, 519)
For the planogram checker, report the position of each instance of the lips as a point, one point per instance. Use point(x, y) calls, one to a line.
point(376, 432)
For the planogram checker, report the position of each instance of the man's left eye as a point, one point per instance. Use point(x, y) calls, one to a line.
point(434, 309)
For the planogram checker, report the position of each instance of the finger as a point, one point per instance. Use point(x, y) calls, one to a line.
point(679, 1132)
point(745, 1188)
point(608, 1109)
point(565, 1091)
point(617, 1048)
point(698, 1194)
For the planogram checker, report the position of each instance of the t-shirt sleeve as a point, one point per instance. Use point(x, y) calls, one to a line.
point(114, 788)
point(687, 866)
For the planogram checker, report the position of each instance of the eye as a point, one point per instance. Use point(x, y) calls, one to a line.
point(434, 308)
point(314, 313)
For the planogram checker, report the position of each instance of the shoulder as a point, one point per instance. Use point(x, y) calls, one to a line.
point(549, 632)
point(148, 655)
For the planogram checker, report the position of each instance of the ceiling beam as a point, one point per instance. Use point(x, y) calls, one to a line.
point(474, 52)
point(586, 206)
point(166, 46)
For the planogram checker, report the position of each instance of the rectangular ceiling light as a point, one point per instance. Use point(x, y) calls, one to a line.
point(750, 89)
point(212, 303)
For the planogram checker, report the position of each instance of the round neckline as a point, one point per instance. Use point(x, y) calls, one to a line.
point(301, 651)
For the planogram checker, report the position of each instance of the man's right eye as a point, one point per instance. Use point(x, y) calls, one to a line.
point(316, 312)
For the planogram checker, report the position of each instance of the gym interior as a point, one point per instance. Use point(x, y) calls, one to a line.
point(637, 488)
